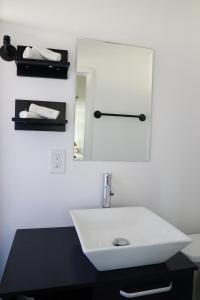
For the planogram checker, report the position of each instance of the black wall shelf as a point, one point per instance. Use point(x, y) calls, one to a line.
point(42, 68)
point(40, 124)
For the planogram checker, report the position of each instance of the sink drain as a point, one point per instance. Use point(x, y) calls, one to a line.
point(120, 242)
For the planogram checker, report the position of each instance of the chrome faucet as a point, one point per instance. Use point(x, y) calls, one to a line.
point(107, 190)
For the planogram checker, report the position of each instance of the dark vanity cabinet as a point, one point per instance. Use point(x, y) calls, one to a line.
point(48, 264)
point(171, 287)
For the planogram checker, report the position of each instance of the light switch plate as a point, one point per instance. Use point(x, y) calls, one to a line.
point(57, 160)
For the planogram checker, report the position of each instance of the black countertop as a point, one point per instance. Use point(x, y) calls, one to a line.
point(51, 258)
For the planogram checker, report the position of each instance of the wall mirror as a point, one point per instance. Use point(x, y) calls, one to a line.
point(113, 102)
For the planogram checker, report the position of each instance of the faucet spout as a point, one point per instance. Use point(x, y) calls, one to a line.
point(107, 190)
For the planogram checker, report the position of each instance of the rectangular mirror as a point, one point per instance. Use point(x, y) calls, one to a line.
point(113, 102)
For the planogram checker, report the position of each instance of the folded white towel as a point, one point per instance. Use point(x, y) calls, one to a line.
point(44, 112)
point(27, 114)
point(48, 54)
point(32, 53)
point(39, 53)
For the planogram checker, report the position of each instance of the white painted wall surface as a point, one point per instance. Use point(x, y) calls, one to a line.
point(170, 183)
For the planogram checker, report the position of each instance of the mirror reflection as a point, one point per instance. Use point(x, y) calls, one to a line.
point(113, 102)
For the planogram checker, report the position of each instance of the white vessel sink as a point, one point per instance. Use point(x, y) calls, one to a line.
point(152, 240)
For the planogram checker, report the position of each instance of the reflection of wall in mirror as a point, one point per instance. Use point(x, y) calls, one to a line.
point(123, 85)
point(80, 117)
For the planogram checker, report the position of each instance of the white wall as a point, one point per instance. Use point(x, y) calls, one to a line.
point(170, 183)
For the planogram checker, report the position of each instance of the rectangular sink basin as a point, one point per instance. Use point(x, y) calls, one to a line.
point(151, 239)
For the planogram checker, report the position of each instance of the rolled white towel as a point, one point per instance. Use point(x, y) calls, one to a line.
point(32, 53)
point(27, 114)
point(39, 53)
point(44, 112)
point(48, 54)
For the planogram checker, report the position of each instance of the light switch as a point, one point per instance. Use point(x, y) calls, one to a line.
point(57, 161)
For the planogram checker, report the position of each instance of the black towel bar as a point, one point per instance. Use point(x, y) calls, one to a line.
point(98, 114)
